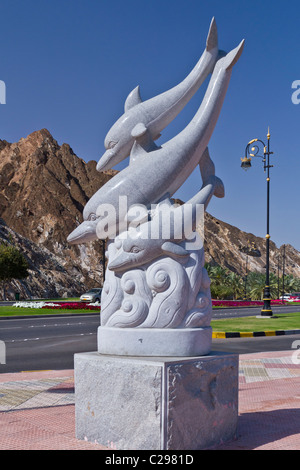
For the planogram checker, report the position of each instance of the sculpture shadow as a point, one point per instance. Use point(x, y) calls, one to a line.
point(264, 427)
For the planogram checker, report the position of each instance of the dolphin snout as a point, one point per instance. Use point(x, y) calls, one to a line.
point(118, 263)
point(104, 162)
point(85, 232)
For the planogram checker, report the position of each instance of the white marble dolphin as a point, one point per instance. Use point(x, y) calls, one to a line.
point(141, 245)
point(157, 112)
point(155, 173)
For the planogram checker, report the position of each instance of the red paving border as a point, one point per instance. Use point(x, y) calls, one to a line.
point(269, 416)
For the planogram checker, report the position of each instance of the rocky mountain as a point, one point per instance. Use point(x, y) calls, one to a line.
point(43, 189)
point(232, 248)
point(48, 275)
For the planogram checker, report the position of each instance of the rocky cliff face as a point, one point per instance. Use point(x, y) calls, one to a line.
point(49, 276)
point(228, 246)
point(43, 190)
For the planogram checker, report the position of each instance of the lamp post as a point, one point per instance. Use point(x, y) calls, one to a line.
point(283, 273)
point(278, 280)
point(246, 278)
point(246, 165)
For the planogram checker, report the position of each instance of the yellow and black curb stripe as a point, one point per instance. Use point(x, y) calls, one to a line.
point(254, 334)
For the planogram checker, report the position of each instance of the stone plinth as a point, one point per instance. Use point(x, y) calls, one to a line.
point(156, 403)
point(175, 342)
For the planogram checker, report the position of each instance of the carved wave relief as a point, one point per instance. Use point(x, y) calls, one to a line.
point(165, 293)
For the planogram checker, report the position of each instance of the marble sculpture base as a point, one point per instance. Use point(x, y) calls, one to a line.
point(156, 403)
point(185, 342)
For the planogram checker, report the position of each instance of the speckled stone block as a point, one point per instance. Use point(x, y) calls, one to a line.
point(133, 403)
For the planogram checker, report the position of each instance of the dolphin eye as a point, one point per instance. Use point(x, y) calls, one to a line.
point(135, 249)
point(111, 144)
point(92, 217)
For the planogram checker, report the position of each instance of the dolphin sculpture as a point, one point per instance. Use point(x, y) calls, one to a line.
point(156, 173)
point(138, 247)
point(157, 112)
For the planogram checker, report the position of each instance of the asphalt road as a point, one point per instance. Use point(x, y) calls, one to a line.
point(252, 311)
point(35, 343)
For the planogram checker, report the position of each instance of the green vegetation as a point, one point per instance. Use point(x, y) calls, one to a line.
point(13, 265)
point(228, 285)
point(286, 321)
point(7, 311)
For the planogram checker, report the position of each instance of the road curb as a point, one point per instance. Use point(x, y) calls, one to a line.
point(254, 334)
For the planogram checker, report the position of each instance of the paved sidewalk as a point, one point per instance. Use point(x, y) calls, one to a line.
point(37, 410)
point(269, 403)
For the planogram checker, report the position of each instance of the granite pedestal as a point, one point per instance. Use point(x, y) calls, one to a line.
point(175, 342)
point(156, 403)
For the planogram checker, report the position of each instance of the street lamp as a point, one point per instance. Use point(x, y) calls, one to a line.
point(252, 150)
point(278, 280)
point(283, 272)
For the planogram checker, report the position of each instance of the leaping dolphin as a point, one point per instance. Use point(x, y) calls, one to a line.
point(154, 173)
point(157, 113)
point(139, 247)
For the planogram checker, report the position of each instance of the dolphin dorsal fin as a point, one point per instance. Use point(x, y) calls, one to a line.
point(133, 99)
point(143, 142)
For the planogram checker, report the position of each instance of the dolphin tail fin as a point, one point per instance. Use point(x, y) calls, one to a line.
point(212, 37)
point(207, 166)
point(207, 169)
point(232, 57)
point(219, 188)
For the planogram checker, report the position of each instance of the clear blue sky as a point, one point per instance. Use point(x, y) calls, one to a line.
point(69, 65)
